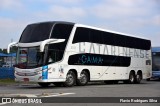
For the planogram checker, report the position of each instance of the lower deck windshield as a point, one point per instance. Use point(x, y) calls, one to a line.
point(31, 57)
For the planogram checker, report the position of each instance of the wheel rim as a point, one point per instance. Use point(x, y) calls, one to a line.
point(83, 78)
point(132, 79)
point(138, 78)
point(70, 79)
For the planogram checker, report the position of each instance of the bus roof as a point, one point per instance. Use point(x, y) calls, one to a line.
point(55, 22)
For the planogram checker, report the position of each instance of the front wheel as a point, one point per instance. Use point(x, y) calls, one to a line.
point(83, 79)
point(70, 79)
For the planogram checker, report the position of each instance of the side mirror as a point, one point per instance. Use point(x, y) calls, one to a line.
point(10, 45)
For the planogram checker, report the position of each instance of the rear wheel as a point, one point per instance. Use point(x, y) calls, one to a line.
point(44, 84)
point(138, 78)
point(70, 79)
point(131, 78)
point(83, 78)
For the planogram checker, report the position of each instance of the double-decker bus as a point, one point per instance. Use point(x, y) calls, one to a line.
point(65, 53)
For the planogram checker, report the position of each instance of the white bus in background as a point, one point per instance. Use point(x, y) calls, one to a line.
point(65, 53)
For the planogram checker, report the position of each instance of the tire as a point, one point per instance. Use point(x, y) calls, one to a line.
point(138, 78)
point(58, 84)
point(44, 84)
point(70, 79)
point(84, 78)
point(132, 78)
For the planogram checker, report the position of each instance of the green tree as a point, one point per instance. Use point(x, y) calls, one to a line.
point(5, 51)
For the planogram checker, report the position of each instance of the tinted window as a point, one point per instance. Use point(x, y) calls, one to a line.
point(95, 36)
point(99, 60)
point(81, 35)
point(108, 38)
point(61, 31)
point(55, 52)
point(119, 40)
point(36, 32)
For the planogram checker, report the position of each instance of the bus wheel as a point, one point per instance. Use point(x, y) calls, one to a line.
point(70, 79)
point(131, 78)
point(44, 84)
point(83, 79)
point(138, 78)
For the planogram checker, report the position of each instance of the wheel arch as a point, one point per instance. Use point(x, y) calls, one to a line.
point(74, 71)
point(132, 71)
point(140, 72)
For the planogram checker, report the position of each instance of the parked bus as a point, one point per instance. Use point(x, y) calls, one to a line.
point(156, 63)
point(65, 53)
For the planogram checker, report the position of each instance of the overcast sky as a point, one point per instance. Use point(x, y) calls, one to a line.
point(136, 17)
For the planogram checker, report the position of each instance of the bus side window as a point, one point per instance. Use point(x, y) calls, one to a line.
point(81, 35)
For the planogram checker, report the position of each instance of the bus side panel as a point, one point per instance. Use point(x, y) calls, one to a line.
point(108, 73)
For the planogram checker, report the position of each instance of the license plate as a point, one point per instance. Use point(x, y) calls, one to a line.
point(26, 79)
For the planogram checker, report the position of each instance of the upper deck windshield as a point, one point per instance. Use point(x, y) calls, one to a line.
point(42, 31)
point(36, 32)
point(31, 57)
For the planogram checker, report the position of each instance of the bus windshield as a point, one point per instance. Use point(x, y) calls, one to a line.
point(29, 57)
point(36, 32)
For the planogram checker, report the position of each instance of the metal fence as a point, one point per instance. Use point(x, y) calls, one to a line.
point(6, 72)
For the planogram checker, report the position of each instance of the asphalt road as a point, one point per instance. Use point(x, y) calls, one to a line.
point(96, 89)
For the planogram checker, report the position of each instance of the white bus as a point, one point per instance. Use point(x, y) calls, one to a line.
point(65, 53)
